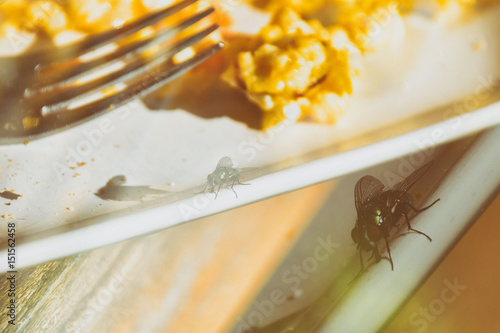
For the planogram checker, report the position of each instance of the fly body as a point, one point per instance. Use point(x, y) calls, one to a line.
point(380, 211)
point(224, 175)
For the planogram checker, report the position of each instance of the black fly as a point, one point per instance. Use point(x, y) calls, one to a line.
point(379, 210)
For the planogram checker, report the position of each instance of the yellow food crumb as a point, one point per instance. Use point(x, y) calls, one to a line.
point(30, 122)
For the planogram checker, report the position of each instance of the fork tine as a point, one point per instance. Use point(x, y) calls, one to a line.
point(143, 86)
point(72, 51)
point(163, 73)
point(135, 68)
point(53, 77)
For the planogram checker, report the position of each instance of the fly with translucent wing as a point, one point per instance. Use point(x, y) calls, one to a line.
point(224, 175)
point(379, 210)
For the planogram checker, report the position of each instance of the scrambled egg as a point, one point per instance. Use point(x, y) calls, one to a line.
point(73, 19)
point(294, 70)
point(50, 17)
point(297, 69)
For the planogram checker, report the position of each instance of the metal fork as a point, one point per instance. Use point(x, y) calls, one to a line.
point(38, 88)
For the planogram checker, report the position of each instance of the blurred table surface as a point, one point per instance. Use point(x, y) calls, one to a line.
point(202, 275)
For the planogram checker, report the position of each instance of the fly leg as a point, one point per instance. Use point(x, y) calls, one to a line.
point(418, 211)
point(415, 230)
point(236, 180)
point(232, 188)
point(217, 193)
point(361, 270)
point(204, 189)
point(389, 252)
point(378, 257)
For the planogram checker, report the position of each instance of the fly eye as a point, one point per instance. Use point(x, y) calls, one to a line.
point(378, 217)
point(355, 234)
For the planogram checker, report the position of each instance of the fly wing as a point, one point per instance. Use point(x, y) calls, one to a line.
point(226, 161)
point(366, 188)
point(246, 169)
point(405, 185)
point(236, 174)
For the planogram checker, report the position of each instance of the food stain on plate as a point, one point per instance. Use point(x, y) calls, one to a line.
point(10, 195)
point(114, 190)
